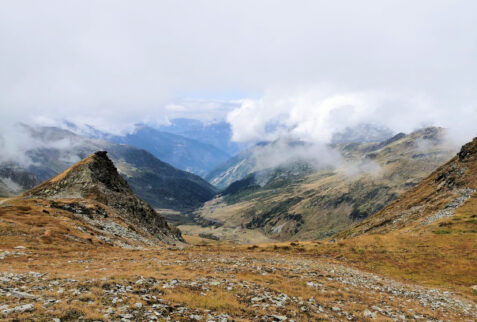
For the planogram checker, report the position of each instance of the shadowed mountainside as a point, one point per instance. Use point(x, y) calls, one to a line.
point(14, 179)
point(157, 182)
point(184, 153)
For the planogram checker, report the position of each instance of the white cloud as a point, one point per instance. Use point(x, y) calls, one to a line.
point(175, 108)
point(115, 63)
point(314, 114)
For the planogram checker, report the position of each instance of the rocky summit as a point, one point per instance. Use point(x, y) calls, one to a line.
point(96, 179)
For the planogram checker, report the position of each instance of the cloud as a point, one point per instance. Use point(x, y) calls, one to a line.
point(13, 144)
point(316, 113)
point(19, 139)
point(286, 152)
point(114, 63)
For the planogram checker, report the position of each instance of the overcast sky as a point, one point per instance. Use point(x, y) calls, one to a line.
point(310, 67)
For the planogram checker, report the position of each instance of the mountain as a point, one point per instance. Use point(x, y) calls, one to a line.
point(93, 200)
point(427, 235)
point(163, 186)
point(299, 201)
point(235, 168)
point(218, 134)
point(362, 133)
point(447, 191)
point(248, 160)
point(190, 155)
point(14, 179)
point(261, 156)
point(83, 248)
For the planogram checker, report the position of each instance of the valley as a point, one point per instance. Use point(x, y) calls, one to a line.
point(55, 150)
point(211, 161)
point(69, 251)
point(297, 202)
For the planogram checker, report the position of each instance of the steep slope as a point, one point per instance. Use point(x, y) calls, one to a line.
point(157, 182)
point(261, 156)
point(94, 188)
point(299, 202)
point(235, 168)
point(449, 189)
point(428, 235)
point(187, 154)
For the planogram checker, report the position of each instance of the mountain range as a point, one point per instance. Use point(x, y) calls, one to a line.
point(217, 134)
point(186, 144)
point(306, 195)
point(300, 201)
point(263, 155)
point(82, 245)
point(157, 182)
point(184, 153)
point(434, 204)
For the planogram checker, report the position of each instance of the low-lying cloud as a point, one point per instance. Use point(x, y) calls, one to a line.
point(315, 115)
point(300, 70)
point(301, 125)
point(286, 152)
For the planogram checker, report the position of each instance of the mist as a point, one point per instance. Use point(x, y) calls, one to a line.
point(316, 114)
point(300, 70)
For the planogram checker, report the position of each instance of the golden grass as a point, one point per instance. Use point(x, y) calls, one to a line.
point(443, 261)
point(125, 266)
point(446, 260)
point(216, 299)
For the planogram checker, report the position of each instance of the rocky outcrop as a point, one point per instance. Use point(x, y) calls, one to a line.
point(468, 151)
point(96, 178)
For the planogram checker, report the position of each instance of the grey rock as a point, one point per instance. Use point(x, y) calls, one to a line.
point(24, 308)
point(23, 295)
point(368, 314)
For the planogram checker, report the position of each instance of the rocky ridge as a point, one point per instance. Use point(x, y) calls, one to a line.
point(96, 179)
